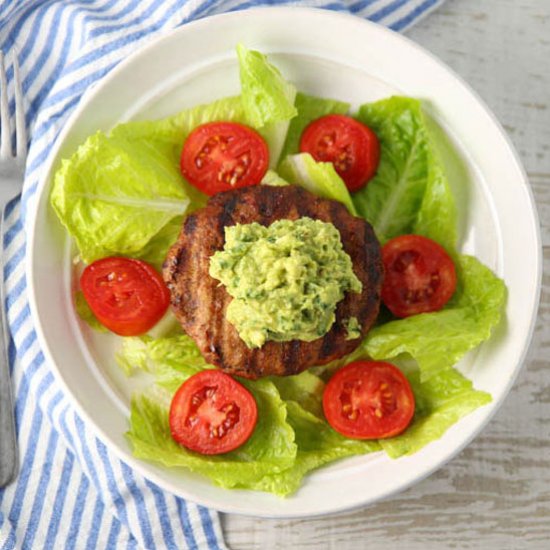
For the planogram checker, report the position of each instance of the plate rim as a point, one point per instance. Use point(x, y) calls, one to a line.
point(38, 197)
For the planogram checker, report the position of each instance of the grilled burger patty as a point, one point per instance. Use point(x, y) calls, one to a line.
point(199, 301)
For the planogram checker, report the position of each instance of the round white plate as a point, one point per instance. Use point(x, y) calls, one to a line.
point(331, 55)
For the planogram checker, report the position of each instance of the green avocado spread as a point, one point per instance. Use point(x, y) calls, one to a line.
point(353, 327)
point(285, 279)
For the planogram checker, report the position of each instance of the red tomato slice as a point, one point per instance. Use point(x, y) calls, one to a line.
point(211, 413)
point(220, 156)
point(352, 147)
point(127, 296)
point(368, 400)
point(419, 275)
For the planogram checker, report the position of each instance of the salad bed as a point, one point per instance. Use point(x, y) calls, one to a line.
point(123, 194)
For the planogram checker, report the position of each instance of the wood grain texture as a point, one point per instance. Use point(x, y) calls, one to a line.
point(496, 493)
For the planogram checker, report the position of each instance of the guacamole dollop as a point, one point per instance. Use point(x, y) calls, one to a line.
point(353, 328)
point(285, 279)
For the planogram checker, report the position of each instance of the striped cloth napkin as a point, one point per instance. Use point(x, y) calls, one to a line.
point(72, 492)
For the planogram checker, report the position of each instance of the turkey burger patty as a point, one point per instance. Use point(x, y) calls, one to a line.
point(200, 302)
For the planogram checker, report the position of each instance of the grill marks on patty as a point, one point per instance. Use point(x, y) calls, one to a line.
point(199, 301)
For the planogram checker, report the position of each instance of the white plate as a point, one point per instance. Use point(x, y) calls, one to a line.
point(331, 55)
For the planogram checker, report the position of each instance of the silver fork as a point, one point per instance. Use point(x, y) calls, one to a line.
point(12, 168)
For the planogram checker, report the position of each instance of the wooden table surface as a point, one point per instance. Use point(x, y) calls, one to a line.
point(496, 493)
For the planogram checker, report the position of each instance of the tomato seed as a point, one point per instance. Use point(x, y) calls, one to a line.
point(404, 260)
point(328, 140)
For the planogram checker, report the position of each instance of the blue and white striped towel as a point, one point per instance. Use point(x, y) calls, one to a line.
point(71, 491)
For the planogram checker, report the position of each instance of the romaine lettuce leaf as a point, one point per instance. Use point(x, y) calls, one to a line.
point(309, 109)
point(306, 389)
point(124, 194)
point(113, 196)
point(318, 444)
point(270, 449)
point(409, 193)
point(272, 178)
point(438, 340)
point(156, 249)
point(440, 402)
point(171, 360)
point(436, 217)
point(167, 135)
point(268, 99)
point(85, 313)
point(167, 358)
point(320, 178)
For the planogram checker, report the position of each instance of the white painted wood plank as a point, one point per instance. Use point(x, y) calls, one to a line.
point(496, 493)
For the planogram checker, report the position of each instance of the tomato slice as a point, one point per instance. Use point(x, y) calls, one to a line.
point(220, 156)
point(211, 413)
point(369, 400)
point(127, 296)
point(352, 147)
point(419, 275)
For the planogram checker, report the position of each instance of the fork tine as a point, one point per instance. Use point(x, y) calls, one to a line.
point(20, 125)
point(5, 139)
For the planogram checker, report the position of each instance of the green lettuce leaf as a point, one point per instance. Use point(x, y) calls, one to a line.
point(156, 249)
point(436, 217)
point(440, 402)
point(167, 358)
point(439, 340)
point(123, 194)
point(267, 96)
point(270, 449)
point(171, 360)
point(85, 313)
point(318, 444)
point(272, 178)
point(167, 135)
point(113, 196)
point(410, 193)
point(306, 389)
point(320, 178)
point(268, 99)
point(309, 109)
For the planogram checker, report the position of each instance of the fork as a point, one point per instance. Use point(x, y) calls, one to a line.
point(12, 168)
